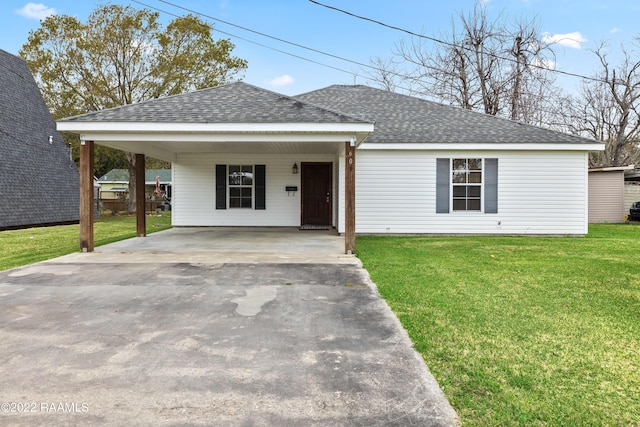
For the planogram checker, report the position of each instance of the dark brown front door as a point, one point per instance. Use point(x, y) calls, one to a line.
point(317, 197)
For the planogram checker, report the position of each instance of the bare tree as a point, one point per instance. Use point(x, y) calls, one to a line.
point(482, 64)
point(385, 72)
point(609, 108)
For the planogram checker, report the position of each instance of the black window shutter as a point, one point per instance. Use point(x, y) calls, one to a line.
point(490, 185)
point(261, 188)
point(442, 185)
point(221, 186)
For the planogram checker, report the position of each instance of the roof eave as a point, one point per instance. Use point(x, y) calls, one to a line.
point(80, 127)
point(484, 146)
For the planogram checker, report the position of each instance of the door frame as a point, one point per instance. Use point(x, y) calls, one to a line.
point(330, 186)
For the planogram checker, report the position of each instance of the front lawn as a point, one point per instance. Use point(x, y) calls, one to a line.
point(522, 330)
point(22, 247)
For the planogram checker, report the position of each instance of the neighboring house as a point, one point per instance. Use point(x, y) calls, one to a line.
point(420, 167)
point(38, 180)
point(114, 185)
point(606, 194)
point(631, 188)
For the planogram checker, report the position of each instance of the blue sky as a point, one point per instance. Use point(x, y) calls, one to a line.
point(581, 24)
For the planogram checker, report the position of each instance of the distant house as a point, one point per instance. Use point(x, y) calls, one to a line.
point(115, 183)
point(631, 187)
point(114, 187)
point(38, 179)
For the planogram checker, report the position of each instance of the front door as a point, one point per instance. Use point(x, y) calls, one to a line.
point(316, 182)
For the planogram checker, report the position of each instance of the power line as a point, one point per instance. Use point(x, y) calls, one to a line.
point(245, 39)
point(433, 39)
point(403, 76)
point(360, 64)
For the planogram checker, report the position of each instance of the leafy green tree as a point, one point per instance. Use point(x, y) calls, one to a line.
point(122, 55)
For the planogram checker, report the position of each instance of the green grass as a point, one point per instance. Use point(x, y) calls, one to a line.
point(22, 247)
point(522, 331)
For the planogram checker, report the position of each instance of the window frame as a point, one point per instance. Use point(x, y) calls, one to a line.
point(468, 172)
point(241, 186)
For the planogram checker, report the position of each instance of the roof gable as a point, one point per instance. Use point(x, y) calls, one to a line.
point(236, 102)
point(405, 119)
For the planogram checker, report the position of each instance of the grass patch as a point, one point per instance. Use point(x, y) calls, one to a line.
point(522, 331)
point(22, 247)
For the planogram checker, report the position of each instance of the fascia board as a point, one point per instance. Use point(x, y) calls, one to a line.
point(183, 138)
point(555, 146)
point(187, 128)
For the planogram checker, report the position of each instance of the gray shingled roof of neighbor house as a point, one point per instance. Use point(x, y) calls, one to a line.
point(402, 118)
point(232, 103)
point(40, 183)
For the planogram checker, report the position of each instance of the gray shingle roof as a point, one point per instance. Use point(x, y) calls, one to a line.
point(39, 184)
point(402, 118)
point(232, 103)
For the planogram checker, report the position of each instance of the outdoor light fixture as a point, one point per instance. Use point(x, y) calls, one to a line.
point(50, 139)
point(294, 169)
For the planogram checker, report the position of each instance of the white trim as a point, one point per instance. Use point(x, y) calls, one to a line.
point(219, 137)
point(529, 146)
point(133, 127)
point(613, 169)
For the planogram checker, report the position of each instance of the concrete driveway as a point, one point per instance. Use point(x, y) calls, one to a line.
point(206, 326)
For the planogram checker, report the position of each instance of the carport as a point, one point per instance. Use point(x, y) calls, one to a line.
point(237, 120)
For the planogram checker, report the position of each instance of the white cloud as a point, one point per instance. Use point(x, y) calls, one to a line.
point(283, 80)
point(615, 30)
point(36, 11)
point(573, 40)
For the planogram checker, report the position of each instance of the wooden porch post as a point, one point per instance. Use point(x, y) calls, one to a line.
point(141, 200)
point(350, 198)
point(86, 196)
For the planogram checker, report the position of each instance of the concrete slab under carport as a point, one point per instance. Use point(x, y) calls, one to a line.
point(147, 337)
point(225, 245)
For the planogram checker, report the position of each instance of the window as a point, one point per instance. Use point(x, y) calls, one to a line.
point(467, 184)
point(240, 183)
point(240, 186)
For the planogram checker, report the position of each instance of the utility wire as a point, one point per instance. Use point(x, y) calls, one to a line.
point(433, 39)
point(252, 41)
point(360, 64)
point(404, 76)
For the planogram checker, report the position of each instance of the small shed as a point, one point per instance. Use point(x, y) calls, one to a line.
point(606, 194)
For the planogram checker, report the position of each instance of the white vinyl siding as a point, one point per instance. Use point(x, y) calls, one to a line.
point(194, 190)
point(538, 193)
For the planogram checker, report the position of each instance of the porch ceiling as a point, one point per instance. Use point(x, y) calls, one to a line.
point(168, 150)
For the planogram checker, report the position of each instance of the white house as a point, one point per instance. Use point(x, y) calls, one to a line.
point(419, 167)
